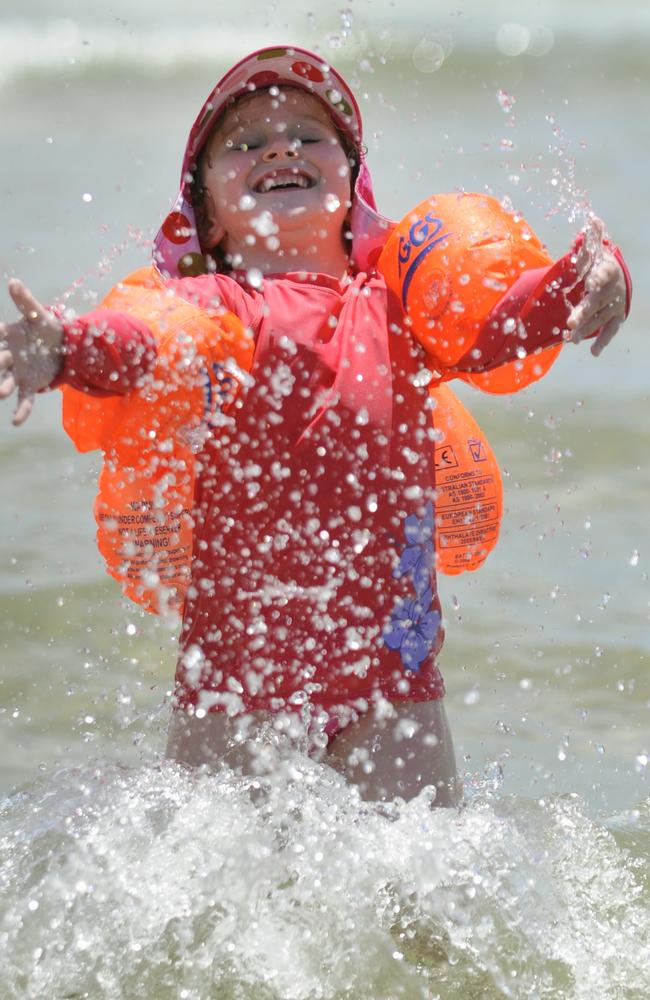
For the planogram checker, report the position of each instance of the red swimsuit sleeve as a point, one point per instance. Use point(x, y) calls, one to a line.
point(533, 313)
point(106, 353)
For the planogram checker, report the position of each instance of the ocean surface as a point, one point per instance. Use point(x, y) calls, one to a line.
point(122, 876)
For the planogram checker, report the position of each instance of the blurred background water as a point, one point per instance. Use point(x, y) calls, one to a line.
point(126, 878)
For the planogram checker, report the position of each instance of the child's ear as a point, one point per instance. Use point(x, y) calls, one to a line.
point(210, 231)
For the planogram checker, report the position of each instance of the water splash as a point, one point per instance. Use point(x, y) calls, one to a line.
point(156, 882)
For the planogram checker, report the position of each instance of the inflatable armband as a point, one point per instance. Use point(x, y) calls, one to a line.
point(450, 261)
point(149, 437)
point(469, 502)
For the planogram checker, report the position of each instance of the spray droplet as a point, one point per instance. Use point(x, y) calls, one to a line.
point(331, 203)
point(506, 101)
point(254, 277)
point(264, 225)
point(512, 39)
point(428, 55)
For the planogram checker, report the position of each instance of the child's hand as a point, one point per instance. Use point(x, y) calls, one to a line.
point(30, 351)
point(605, 298)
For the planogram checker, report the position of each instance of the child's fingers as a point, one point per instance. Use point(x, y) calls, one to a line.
point(606, 335)
point(6, 358)
point(594, 321)
point(592, 305)
point(7, 384)
point(24, 408)
point(25, 302)
point(608, 296)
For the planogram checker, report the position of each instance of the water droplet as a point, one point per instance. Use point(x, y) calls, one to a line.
point(634, 558)
point(247, 202)
point(332, 203)
point(429, 55)
point(263, 224)
point(506, 101)
point(86, 197)
point(254, 277)
point(512, 39)
point(422, 378)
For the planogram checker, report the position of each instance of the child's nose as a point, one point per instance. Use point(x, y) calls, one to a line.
point(279, 149)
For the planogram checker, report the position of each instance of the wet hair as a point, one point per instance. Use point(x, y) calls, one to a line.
point(214, 257)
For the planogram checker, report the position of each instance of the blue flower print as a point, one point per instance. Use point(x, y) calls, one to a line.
point(418, 555)
point(413, 626)
point(413, 629)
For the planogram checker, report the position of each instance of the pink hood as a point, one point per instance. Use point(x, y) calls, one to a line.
point(177, 251)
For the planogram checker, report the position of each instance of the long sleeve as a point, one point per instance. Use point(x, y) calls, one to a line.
point(533, 313)
point(106, 353)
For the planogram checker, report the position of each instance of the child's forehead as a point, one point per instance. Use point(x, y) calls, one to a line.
point(274, 105)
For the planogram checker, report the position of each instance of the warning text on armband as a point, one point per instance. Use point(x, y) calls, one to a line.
point(482, 514)
point(154, 535)
point(467, 536)
point(465, 488)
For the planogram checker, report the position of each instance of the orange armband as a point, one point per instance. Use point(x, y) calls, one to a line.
point(469, 491)
point(150, 436)
point(450, 261)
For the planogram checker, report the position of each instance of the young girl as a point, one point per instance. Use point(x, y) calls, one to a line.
point(312, 611)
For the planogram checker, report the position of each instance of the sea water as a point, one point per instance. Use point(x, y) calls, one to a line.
point(125, 876)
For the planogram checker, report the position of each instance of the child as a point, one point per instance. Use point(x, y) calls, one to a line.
point(312, 606)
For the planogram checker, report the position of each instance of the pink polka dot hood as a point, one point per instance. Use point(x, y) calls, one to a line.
point(177, 251)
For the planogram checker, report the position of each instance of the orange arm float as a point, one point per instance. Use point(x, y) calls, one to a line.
point(451, 261)
point(149, 437)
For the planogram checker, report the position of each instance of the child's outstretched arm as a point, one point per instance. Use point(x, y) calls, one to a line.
point(103, 353)
point(31, 351)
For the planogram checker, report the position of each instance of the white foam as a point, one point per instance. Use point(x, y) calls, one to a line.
point(154, 880)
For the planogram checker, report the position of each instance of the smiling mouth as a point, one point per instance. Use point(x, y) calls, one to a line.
point(284, 180)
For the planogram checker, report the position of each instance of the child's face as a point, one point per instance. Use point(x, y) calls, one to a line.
point(275, 175)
